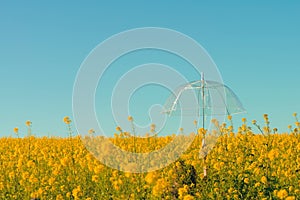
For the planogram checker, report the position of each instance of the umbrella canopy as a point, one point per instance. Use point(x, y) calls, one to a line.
point(203, 98)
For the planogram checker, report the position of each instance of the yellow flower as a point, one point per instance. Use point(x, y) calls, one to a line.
point(257, 184)
point(295, 130)
point(16, 130)
point(281, 194)
point(295, 114)
point(68, 195)
point(28, 123)
point(150, 177)
point(244, 120)
point(246, 180)
point(152, 128)
point(116, 185)
point(239, 160)
point(217, 166)
point(264, 180)
point(202, 131)
point(1, 186)
point(51, 181)
point(159, 188)
point(118, 128)
point(40, 191)
point(230, 190)
point(30, 164)
point(11, 175)
point(127, 174)
point(229, 117)
point(67, 120)
point(95, 178)
point(76, 192)
point(91, 131)
point(59, 197)
point(130, 118)
point(65, 161)
point(98, 169)
point(63, 188)
point(290, 198)
point(183, 191)
point(266, 129)
point(254, 121)
point(188, 197)
point(273, 154)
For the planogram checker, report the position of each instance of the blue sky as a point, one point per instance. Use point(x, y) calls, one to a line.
point(255, 45)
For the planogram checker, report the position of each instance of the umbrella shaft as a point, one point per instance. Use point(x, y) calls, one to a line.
point(203, 103)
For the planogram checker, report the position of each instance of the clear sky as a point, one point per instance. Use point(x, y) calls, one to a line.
point(256, 47)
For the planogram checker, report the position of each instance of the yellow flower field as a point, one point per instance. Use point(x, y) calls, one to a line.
point(242, 165)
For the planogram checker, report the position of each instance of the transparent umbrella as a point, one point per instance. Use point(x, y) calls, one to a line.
point(204, 99)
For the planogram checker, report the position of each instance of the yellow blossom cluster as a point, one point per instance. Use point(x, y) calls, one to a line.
point(241, 165)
